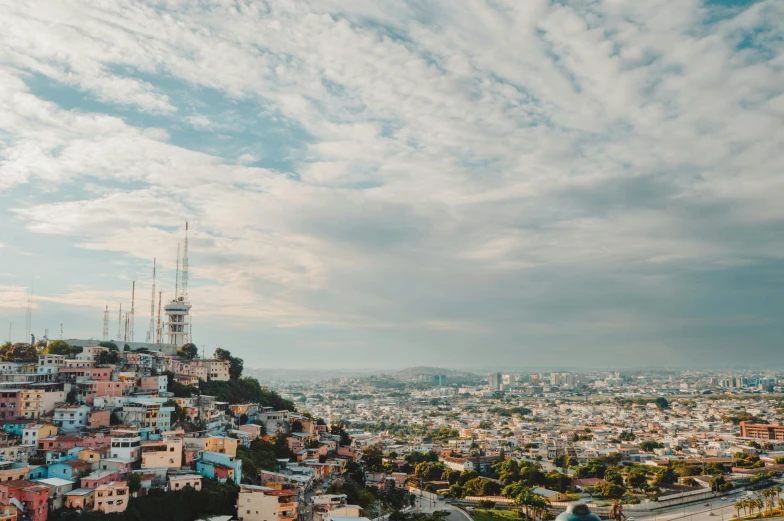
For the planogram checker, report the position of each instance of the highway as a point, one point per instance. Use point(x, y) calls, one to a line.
point(717, 510)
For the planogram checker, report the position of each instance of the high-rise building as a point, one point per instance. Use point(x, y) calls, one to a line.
point(439, 380)
point(494, 380)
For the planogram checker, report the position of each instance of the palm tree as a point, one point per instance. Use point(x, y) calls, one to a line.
point(737, 505)
point(777, 490)
point(770, 499)
point(744, 504)
point(765, 495)
point(781, 505)
point(759, 504)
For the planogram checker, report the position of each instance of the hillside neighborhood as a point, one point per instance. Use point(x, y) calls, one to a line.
point(98, 430)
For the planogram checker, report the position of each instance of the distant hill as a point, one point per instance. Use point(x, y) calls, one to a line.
point(417, 373)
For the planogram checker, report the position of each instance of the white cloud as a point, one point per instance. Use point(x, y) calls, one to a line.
point(486, 140)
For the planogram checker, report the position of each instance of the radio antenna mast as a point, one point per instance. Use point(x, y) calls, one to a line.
point(151, 329)
point(184, 280)
point(106, 323)
point(177, 275)
point(119, 323)
point(133, 308)
point(29, 321)
point(158, 331)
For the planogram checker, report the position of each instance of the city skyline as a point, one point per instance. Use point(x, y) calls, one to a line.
point(402, 184)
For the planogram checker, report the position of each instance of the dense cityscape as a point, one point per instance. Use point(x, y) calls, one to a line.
point(391, 260)
point(104, 430)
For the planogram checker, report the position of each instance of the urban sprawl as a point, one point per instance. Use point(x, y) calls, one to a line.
point(113, 430)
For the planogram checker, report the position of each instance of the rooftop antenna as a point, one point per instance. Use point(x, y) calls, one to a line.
point(158, 331)
point(127, 323)
point(184, 280)
point(151, 329)
point(177, 275)
point(105, 323)
point(61, 330)
point(29, 318)
point(119, 323)
point(133, 304)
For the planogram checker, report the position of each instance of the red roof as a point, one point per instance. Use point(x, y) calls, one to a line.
point(280, 493)
point(76, 463)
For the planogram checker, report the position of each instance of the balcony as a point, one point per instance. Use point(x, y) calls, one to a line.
point(287, 516)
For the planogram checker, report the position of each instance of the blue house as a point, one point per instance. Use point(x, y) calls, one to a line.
point(37, 472)
point(71, 469)
point(219, 466)
point(16, 426)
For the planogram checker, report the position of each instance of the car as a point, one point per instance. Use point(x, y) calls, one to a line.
point(629, 519)
point(707, 504)
point(711, 513)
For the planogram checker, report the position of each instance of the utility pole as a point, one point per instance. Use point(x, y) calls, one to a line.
point(119, 323)
point(184, 281)
point(151, 329)
point(105, 324)
point(133, 307)
point(158, 331)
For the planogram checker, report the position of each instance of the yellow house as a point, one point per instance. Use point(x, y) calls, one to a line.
point(112, 497)
point(221, 445)
point(82, 498)
point(259, 504)
point(162, 454)
point(7, 513)
point(94, 454)
point(31, 403)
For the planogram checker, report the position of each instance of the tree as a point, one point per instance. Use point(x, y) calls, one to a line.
point(134, 482)
point(560, 461)
point(180, 415)
point(58, 347)
point(373, 457)
point(637, 479)
point(649, 446)
point(107, 358)
point(662, 403)
point(21, 352)
point(609, 490)
point(189, 351)
point(338, 429)
point(237, 364)
point(111, 345)
point(690, 482)
point(627, 436)
point(666, 476)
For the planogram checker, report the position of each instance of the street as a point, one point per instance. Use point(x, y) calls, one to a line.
point(717, 511)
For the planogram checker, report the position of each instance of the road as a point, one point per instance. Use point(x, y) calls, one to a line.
point(717, 510)
point(455, 514)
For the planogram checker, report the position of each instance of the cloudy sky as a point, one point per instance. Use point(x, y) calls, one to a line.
point(467, 183)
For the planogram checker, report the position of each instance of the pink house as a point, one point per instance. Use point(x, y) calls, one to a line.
point(93, 388)
point(98, 478)
point(253, 429)
point(9, 403)
point(59, 443)
point(99, 419)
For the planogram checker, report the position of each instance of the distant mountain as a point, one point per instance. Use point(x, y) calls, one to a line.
point(418, 373)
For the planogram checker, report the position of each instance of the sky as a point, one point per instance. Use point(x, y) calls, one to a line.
point(476, 184)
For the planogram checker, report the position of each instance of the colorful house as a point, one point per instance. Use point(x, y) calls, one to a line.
point(112, 497)
point(81, 498)
point(220, 466)
point(32, 496)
